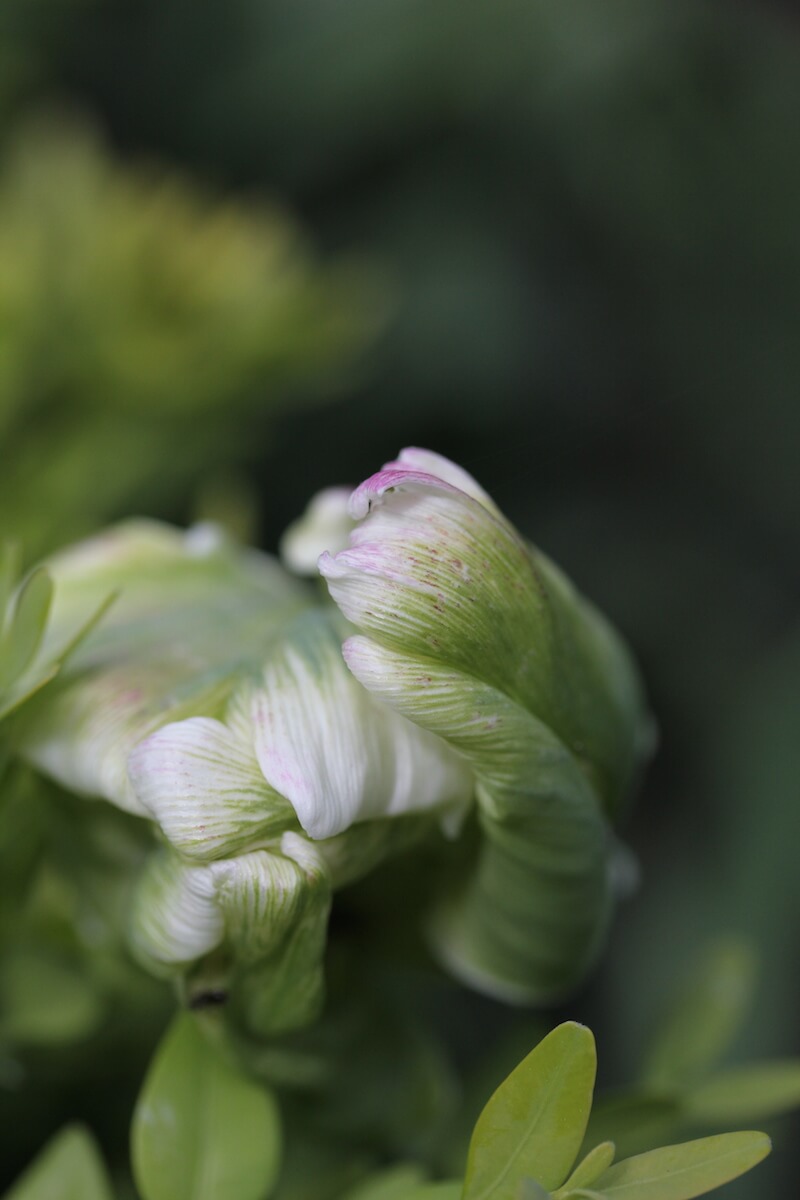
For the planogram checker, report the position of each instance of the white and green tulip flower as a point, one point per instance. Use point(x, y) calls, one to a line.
point(217, 700)
point(477, 638)
point(213, 699)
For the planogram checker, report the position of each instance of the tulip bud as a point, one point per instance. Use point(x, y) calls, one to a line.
point(476, 637)
point(214, 701)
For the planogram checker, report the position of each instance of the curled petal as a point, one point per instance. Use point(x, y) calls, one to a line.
point(479, 639)
point(176, 918)
point(325, 525)
point(205, 789)
point(337, 756)
point(263, 894)
point(191, 614)
point(532, 916)
point(435, 574)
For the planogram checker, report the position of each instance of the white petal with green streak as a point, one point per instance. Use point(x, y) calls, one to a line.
point(205, 789)
point(336, 754)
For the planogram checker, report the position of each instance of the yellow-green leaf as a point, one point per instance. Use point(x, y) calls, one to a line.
point(201, 1130)
point(69, 1168)
point(534, 1123)
point(591, 1167)
point(684, 1171)
point(23, 635)
point(394, 1184)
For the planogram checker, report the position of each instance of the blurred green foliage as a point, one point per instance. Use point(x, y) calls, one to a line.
point(588, 216)
point(145, 330)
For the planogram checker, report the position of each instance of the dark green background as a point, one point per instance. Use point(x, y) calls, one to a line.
point(582, 220)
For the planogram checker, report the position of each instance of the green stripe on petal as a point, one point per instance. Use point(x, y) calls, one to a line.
point(276, 909)
point(324, 743)
point(194, 616)
point(436, 573)
point(175, 918)
point(531, 917)
point(264, 893)
point(205, 789)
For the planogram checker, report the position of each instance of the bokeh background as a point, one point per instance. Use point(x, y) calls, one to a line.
point(251, 249)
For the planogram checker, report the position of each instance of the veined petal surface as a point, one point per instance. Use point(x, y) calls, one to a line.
point(193, 614)
point(476, 637)
point(337, 755)
point(205, 789)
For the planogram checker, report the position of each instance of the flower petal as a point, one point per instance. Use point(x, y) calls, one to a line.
point(531, 917)
point(325, 525)
point(264, 893)
point(193, 616)
point(433, 571)
point(435, 574)
point(337, 755)
point(205, 789)
point(431, 463)
point(176, 918)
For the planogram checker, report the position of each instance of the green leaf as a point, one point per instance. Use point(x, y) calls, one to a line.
point(684, 1171)
point(393, 1184)
point(46, 1001)
point(534, 1123)
point(69, 1168)
point(592, 1166)
point(200, 1129)
point(24, 634)
point(748, 1093)
point(9, 569)
point(529, 1189)
point(435, 1191)
point(705, 1018)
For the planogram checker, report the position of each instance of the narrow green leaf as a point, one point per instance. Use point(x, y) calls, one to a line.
point(534, 1123)
point(86, 626)
point(748, 1093)
point(201, 1130)
point(704, 1019)
point(591, 1167)
point(69, 1168)
point(24, 634)
point(684, 1171)
point(9, 569)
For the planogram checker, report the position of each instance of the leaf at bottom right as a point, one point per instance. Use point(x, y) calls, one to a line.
point(683, 1171)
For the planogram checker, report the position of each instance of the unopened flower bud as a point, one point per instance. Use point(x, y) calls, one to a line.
point(476, 637)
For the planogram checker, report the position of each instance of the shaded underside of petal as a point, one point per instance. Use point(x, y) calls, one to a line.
point(265, 893)
point(175, 917)
point(529, 920)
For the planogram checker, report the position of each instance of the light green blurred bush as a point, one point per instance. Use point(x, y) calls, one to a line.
point(146, 332)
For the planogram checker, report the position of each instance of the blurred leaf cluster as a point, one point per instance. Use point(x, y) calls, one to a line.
point(145, 330)
point(200, 1129)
